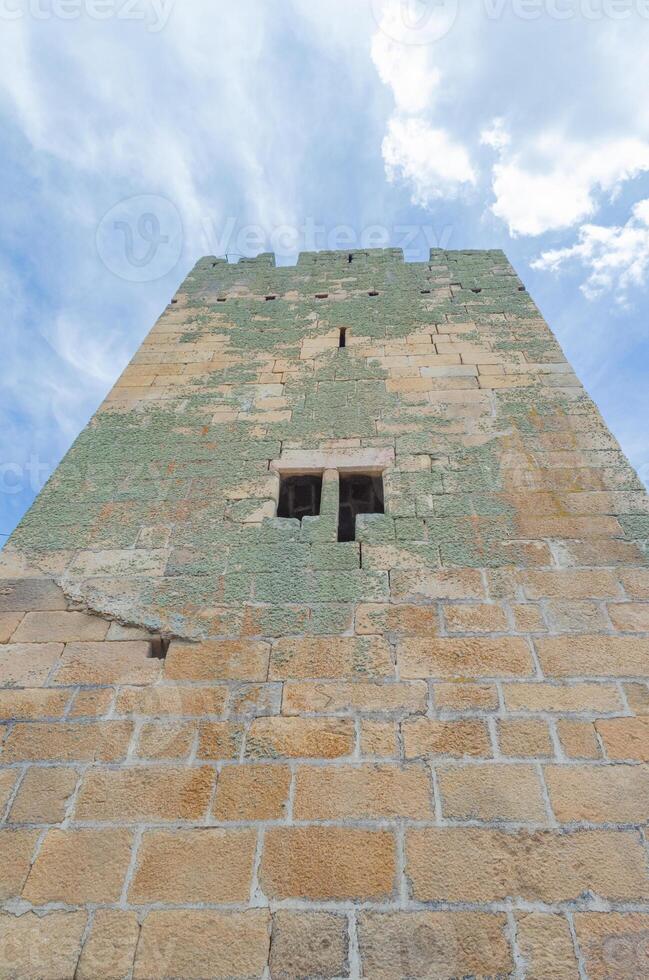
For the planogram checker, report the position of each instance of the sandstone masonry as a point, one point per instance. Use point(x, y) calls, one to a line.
point(235, 746)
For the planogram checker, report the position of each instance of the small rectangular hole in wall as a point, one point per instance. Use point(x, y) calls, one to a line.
point(342, 339)
point(221, 299)
point(322, 295)
point(350, 258)
point(425, 292)
point(300, 495)
point(373, 293)
point(269, 298)
point(159, 648)
point(360, 493)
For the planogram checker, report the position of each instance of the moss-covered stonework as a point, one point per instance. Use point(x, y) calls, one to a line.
point(419, 755)
point(165, 503)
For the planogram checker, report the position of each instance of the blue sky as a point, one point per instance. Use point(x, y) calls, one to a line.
point(138, 135)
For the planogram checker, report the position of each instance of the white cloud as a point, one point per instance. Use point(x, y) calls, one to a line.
point(556, 183)
point(428, 159)
point(417, 148)
point(616, 257)
point(496, 136)
point(407, 70)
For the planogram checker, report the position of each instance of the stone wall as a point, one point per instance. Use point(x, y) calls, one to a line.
point(233, 746)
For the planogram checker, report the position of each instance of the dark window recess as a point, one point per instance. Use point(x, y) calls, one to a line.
point(322, 295)
point(221, 299)
point(299, 496)
point(270, 298)
point(350, 258)
point(159, 647)
point(360, 493)
point(373, 293)
point(342, 341)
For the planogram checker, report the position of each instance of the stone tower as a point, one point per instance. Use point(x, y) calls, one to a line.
point(325, 652)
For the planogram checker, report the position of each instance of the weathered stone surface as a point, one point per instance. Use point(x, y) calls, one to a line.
point(475, 865)
point(160, 793)
point(41, 947)
point(252, 793)
point(186, 867)
point(220, 740)
point(351, 698)
point(362, 792)
point(546, 945)
point(308, 944)
point(8, 625)
point(32, 703)
point(197, 944)
point(62, 627)
point(625, 738)
point(109, 950)
point(328, 863)
point(492, 792)
point(334, 657)
point(104, 741)
point(578, 739)
point(563, 698)
point(299, 738)
point(614, 946)
point(379, 738)
point(43, 795)
point(432, 945)
point(166, 740)
point(520, 738)
point(425, 737)
point(464, 657)
point(30, 594)
point(172, 699)
point(594, 656)
point(217, 660)
point(107, 663)
point(599, 794)
point(77, 866)
point(26, 664)
point(16, 848)
point(8, 780)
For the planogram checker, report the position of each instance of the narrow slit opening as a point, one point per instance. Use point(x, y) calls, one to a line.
point(322, 295)
point(373, 292)
point(270, 298)
point(342, 339)
point(159, 648)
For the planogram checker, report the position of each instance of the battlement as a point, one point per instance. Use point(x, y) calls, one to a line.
point(344, 257)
